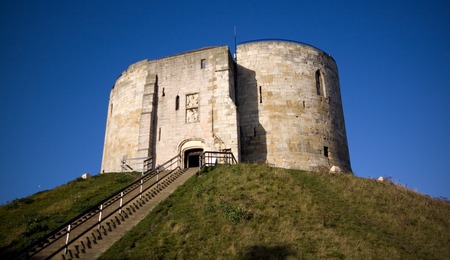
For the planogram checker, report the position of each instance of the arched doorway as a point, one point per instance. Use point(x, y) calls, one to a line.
point(192, 157)
point(190, 149)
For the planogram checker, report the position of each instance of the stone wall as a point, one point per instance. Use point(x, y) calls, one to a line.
point(123, 120)
point(279, 104)
point(290, 107)
point(164, 107)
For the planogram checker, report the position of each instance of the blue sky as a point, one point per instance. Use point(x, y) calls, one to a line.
point(59, 60)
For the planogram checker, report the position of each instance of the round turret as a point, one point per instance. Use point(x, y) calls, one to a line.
point(290, 107)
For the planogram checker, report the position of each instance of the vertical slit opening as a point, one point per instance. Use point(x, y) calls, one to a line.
point(260, 94)
point(319, 83)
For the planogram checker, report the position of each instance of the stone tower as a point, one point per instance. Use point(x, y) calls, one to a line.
point(290, 106)
point(280, 104)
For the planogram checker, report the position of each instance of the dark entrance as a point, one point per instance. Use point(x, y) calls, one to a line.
point(192, 158)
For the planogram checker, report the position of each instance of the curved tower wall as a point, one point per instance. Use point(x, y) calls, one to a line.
point(123, 120)
point(290, 107)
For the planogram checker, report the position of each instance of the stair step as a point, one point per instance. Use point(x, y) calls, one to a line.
point(82, 248)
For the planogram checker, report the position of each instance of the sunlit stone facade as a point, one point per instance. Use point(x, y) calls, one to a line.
point(279, 104)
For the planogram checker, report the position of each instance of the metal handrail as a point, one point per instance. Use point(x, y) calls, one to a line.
point(145, 162)
point(212, 158)
point(110, 214)
point(88, 214)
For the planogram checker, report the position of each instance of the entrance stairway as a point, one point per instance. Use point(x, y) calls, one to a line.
point(92, 233)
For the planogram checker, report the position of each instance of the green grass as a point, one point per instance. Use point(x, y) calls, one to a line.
point(253, 211)
point(23, 221)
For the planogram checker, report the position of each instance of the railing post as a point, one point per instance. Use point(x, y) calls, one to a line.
point(100, 216)
point(67, 238)
point(140, 189)
point(121, 202)
point(157, 179)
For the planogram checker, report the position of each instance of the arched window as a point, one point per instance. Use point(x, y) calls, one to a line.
point(320, 88)
point(177, 102)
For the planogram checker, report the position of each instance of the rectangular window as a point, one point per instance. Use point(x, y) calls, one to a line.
point(192, 104)
point(325, 151)
point(202, 63)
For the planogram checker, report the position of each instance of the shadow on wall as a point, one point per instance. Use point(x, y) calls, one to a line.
point(154, 122)
point(252, 133)
point(267, 252)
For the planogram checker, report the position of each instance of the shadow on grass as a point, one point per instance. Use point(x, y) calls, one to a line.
point(267, 252)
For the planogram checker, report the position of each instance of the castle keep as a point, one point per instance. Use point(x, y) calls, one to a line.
point(278, 103)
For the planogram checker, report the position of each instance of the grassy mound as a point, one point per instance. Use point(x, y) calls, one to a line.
point(253, 211)
point(23, 221)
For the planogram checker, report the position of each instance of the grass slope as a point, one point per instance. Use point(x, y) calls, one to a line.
point(23, 221)
point(253, 211)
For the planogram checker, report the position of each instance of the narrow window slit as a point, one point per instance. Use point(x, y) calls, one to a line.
point(319, 84)
point(260, 94)
point(177, 102)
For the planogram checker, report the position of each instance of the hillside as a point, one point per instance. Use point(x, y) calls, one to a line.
point(247, 211)
point(23, 221)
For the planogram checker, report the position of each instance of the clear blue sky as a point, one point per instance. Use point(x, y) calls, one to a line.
point(59, 60)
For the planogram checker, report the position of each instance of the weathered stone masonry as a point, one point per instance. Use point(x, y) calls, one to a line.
point(283, 107)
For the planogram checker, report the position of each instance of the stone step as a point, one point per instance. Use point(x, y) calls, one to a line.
point(94, 243)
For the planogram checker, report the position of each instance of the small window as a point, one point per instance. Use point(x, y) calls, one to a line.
point(177, 102)
point(319, 84)
point(202, 63)
point(325, 151)
point(163, 92)
point(260, 94)
point(159, 134)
